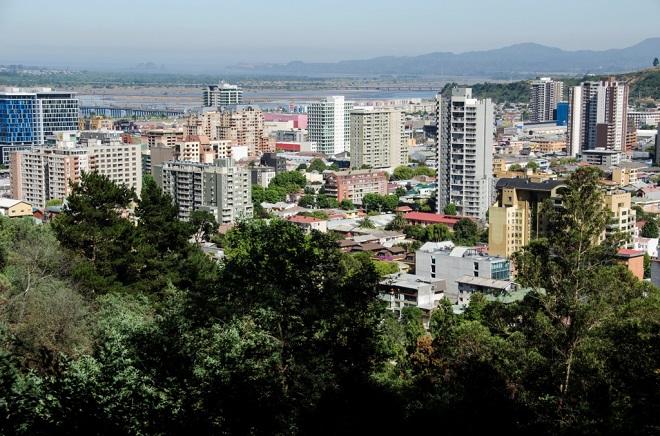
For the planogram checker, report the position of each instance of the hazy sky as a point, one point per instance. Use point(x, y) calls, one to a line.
point(204, 33)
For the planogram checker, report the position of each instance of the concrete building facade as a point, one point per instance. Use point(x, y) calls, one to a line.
point(440, 261)
point(514, 220)
point(222, 95)
point(328, 124)
point(222, 188)
point(465, 152)
point(355, 184)
point(44, 173)
point(544, 96)
point(378, 138)
point(597, 116)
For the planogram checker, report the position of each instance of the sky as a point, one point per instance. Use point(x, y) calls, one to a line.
point(203, 34)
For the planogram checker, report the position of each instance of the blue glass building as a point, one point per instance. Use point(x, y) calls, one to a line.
point(562, 113)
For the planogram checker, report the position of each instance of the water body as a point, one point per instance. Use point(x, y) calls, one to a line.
point(264, 99)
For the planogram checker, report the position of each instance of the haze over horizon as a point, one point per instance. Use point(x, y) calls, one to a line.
point(207, 35)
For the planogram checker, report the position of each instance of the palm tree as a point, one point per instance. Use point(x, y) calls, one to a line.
point(398, 223)
point(366, 223)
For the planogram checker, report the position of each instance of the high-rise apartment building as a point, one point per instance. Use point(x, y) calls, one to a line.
point(597, 116)
point(242, 125)
point(29, 116)
point(377, 138)
point(465, 152)
point(514, 219)
point(545, 94)
point(222, 188)
point(43, 173)
point(222, 95)
point(328, 124)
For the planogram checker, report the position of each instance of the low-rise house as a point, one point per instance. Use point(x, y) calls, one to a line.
point(426, 219)
point(468, 285)
point(309, 223)
point(15, 208)
point(409, 290)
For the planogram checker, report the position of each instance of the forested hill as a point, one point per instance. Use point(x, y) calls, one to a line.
point(644, 85)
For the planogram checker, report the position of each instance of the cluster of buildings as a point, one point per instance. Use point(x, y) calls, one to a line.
point(213, 156)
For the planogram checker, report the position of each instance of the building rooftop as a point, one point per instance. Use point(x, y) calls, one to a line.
point(436, 218)
point(546, 185)
point(304, 219)
point(485, 282)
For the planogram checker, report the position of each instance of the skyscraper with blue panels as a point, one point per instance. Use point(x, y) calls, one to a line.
point(17, 120)
point(562, 113)
point(29, 116)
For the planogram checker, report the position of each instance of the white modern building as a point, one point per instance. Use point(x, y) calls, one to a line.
point(465, 152)
point(378, 138)
point(545, 94)
point(456, 264)
point(328, 124)
point(597, 116)
point(222, 188)
point(222, 95)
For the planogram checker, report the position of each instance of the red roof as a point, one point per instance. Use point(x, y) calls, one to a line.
point(304, 219)
point(435, 218)
point(625, 252)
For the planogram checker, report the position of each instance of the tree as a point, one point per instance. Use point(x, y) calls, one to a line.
point(373, 202)
point(437, 233)
point(647, 266)
point(91, 228)
point(573, 268)
point(54, 202)
point(291, 181)
point(424, 171)
point(466, 232)
point(306, 200)
point(449, 209)
point(325, 202)
point(366, 223)
point(302, 167)
point(316, 164)
point(650, 229)
point(533, 165)
point(398, 222)
point(416, 232)
point(389, 202)
point(203, 225)
point(656, 62)
point(346, 204)
point(401, 191)
point(162, 239)
point(403, 173)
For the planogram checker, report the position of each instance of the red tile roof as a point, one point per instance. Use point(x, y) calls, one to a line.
point(435, 218)
point(304, 219)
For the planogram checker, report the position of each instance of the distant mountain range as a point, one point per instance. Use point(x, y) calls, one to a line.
point(516, 61)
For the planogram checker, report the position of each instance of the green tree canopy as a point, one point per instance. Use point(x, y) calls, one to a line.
point(346, 204)
point(403, 173)
point(449, 209)
point(317, 164)
point(650, 229)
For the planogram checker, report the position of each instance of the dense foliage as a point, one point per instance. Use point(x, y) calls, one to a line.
point(287, 335)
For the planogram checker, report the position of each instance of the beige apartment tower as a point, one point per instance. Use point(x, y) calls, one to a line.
point(377, 138)
point(44, 173)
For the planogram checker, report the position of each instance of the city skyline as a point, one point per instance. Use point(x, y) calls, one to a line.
point(206, 34)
